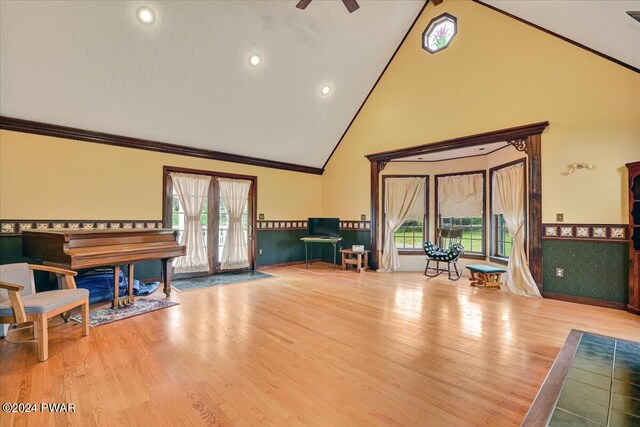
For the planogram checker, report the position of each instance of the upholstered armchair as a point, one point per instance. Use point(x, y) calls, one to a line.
point(19, 303)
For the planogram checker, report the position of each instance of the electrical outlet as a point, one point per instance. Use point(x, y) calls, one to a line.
point(260, 251)
point(261, 216)
point(559, 272)
point(363, 217)
point(559, 217)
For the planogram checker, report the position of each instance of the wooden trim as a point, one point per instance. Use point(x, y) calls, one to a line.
point(509, 134)
point(376, 83)
point(534, 206)
point(492, 222)
point(498, 260)
point(473, 255)
point(285, 264)
point(566, 39)
point(425, 228)
point(520, 137)
point(584, 300)
point(375, 209)
point(437, 219)
point(542, 407)
point(39, 128)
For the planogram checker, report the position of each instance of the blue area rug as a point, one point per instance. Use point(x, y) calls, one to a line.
point(182, 285)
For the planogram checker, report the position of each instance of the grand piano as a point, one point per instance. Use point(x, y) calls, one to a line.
point(77, 249)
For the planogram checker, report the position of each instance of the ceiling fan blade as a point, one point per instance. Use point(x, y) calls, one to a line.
point(351, 5)
point(436, 2)
point(302, 4)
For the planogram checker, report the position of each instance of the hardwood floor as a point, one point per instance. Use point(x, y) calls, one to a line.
point(313, 347)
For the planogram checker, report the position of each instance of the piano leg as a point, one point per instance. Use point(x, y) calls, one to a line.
point(166, 275)
point(116, 287)
point(130, 271)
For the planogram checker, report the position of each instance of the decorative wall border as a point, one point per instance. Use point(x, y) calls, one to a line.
point(586, 232)
point(301, 224)
point(14, 227)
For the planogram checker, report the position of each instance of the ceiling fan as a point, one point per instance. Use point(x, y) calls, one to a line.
point(351, 5)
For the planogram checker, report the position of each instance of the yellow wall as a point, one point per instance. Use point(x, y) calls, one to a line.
point(499, 73)
point(52, 178)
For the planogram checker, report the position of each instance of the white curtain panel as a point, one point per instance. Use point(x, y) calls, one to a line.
point(508, 189)
point(192, 191)
point(401, 195)
point(460, 196)
point(235, 252)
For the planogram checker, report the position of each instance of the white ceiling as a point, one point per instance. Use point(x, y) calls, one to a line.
point(602, 25)
point(186, 79)
point(478, 150)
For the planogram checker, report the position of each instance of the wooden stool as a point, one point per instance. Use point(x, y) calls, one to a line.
point(361, 262)
point(484, 276)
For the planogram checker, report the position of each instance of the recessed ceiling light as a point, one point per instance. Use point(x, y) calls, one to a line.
point(325, 90)
point(255, 60)
point(145, 15)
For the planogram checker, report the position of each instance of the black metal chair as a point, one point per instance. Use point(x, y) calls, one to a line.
point(452, 238)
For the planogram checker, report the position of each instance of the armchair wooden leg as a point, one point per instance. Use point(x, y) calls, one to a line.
point(35, 330)
point(42, 325)
point(85, 318)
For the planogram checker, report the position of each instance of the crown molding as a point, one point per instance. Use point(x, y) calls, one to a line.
point(39, 128)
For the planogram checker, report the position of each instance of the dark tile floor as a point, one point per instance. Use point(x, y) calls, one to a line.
point(602, 387)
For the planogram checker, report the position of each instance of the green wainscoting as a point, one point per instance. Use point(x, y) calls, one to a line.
point(280, 246)
point(349, 238)
point(598, 270)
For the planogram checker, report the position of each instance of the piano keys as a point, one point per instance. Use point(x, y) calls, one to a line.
point(78, 249)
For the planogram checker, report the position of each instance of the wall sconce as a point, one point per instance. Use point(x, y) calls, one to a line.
point(571, 168)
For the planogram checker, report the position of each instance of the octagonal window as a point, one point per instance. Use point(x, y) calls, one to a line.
point(439, 33)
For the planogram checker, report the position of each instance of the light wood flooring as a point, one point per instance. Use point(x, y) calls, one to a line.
point(313, 347)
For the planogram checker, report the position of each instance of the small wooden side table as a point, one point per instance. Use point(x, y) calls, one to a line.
point(358, 258)
point(485, 276)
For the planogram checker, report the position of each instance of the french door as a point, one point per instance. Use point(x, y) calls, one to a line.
point(214, 219)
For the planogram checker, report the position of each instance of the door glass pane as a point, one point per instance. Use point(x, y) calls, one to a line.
point(223, 226)
point(178, 218)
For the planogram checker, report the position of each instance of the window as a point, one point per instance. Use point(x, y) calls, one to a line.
point(177, 213)
point(439, 33)
point(504, 241)
point(413, 232)
point(501, 239)
point(473, 232)
point(460, 203)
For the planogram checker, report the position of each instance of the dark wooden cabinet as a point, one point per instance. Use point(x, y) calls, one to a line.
point(634, 237)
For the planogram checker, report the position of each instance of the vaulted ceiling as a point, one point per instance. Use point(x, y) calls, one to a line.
point(186, 78)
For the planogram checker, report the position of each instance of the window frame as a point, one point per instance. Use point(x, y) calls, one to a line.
point(213, 211)
point(493, 255)
point(425, 222)
point(438, 220)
